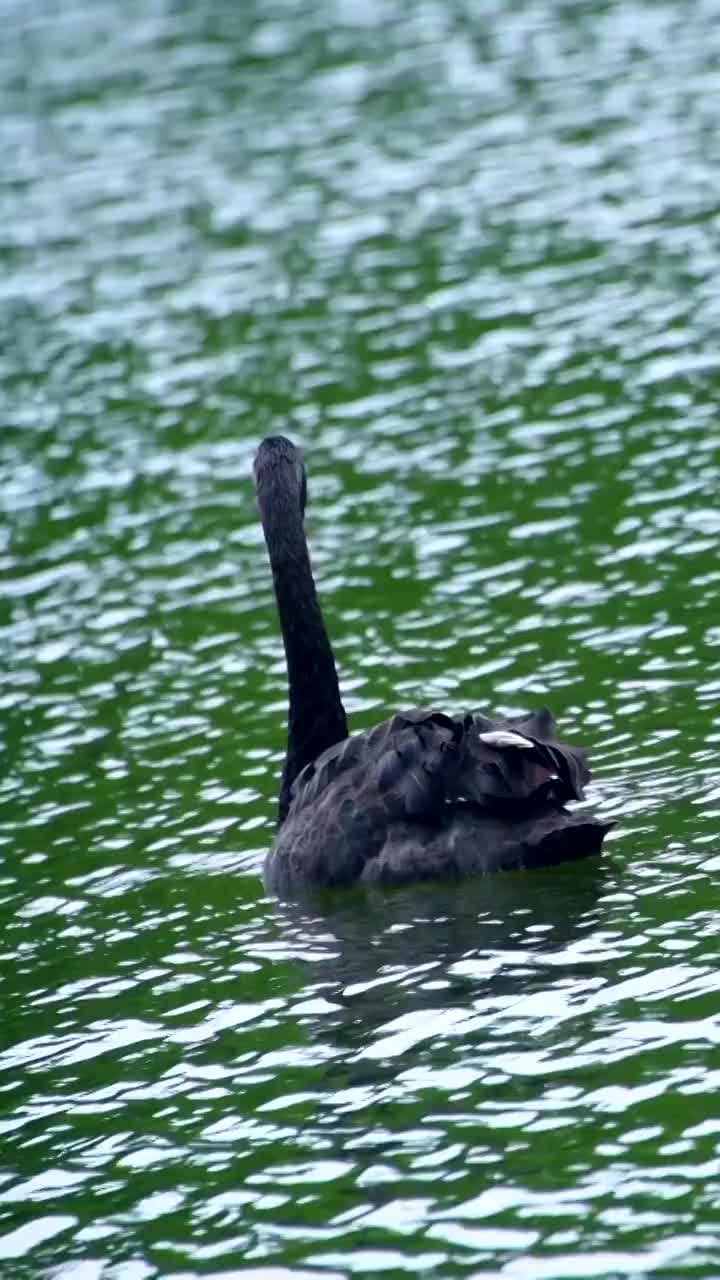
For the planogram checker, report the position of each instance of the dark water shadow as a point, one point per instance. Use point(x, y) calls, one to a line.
point(382, 955)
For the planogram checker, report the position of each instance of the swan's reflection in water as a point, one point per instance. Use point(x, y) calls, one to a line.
point(444, 952)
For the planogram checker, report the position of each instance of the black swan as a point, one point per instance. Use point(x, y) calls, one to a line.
point(424, 794)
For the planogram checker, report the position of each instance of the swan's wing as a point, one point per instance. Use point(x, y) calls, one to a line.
point(400, 763)
point(518, 760)
point(410, 767)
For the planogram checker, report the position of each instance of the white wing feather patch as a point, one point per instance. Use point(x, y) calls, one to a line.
point(506, 738)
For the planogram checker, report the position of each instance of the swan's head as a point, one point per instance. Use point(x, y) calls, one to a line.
point(279, 474)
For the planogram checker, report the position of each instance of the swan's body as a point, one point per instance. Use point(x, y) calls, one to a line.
point(424, 794)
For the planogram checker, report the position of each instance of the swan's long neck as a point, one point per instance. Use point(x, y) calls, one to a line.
point(316, 717)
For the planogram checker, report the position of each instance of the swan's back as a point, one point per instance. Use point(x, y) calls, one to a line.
point(426, 794)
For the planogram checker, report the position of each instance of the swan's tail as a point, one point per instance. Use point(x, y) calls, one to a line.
point(473, 842)
point(566, 837)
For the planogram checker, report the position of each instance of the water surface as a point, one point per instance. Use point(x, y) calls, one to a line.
point(466, 254)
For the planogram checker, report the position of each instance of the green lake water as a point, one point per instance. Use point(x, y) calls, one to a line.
point(467, 253)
